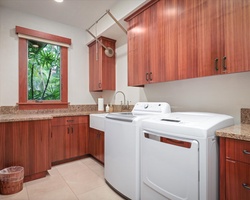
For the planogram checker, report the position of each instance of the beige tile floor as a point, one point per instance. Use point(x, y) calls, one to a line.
point(77, 180)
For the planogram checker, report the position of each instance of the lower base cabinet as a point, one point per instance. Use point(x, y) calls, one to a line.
point(96, 144)
point(234, 169)
point(69, 137)
point(26, 144)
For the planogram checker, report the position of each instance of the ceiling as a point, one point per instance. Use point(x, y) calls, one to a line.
point(77, 13)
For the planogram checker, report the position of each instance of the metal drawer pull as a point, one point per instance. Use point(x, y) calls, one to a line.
point(246, 152)
point(224, 63)
point(150, 76)
point(146, 76)
point(245, 186)
point(216, 64)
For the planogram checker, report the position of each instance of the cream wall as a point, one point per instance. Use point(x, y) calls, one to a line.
point(78, 56)
point(225, 94)
point(78, 68)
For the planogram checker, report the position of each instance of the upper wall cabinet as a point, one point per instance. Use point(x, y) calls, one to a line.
point(151, 45)
point(101, 67)
point(236, 38)
point(171, 40)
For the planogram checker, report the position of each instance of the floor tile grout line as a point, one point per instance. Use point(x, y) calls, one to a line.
point(66, 183)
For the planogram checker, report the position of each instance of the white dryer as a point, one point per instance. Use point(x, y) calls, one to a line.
point(179, 156)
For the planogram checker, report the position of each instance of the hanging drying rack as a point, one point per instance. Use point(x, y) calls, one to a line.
point(108, 51)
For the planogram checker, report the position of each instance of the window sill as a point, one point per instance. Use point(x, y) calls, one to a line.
point(42, 105)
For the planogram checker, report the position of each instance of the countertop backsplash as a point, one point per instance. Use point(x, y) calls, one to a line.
point(245, 115)
point(71, 108)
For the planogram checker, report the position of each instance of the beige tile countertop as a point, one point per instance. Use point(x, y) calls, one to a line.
point(41, 116)
point(239, 132)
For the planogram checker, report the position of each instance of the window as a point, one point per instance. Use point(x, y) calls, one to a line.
point(43, 70)
point(44, 74)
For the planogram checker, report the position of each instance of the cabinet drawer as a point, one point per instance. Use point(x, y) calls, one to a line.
point(61, 121)
point(238, 150)
point(237, 180)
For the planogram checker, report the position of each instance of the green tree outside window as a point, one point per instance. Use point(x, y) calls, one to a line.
point(44, 71)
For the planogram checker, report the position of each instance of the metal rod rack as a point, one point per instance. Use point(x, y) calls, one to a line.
point(116, 21)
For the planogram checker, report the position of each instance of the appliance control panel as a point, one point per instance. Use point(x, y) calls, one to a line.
point(152, 107)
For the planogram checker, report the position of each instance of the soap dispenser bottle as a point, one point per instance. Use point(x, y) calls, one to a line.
point(107, 108)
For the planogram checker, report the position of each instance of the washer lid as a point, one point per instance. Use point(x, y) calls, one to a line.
point(123, 116)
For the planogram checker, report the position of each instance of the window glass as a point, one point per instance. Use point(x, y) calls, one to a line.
point(44, 71)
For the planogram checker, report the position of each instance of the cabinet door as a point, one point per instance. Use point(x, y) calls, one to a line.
point(155, 40)
point(2, 145)
point(38, 146)
point(187, 40)
point(100, 146)
point(107, 66)
point(94, 69)
point(28, 145)
point(78, 139)
point(209, 46)
point(237, 180)
point(96, 144)
point(16, 150)
point(236, 20)
point(58, 144)
point(92, 141)
point(138, 50)
point(168, 39)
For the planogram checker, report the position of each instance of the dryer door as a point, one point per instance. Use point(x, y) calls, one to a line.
point(170, 167)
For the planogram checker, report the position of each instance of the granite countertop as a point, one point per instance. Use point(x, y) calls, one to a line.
point(41, 116)
point(239, 132)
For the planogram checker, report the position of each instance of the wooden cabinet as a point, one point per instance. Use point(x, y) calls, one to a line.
point(101, 67)
point(236, 40)
point(96, 144)
point(27, 144)
point(170, 40)
point(69, 137)
point(2, 145)
point(234, 169)
point(152, 47)
point(223, 39)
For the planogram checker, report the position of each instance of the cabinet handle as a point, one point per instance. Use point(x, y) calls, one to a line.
point(70, 120)
point(68, 130)
point(224, 63)
point(99, 85)
point(150, 76)
point(245, 186)
point(246, 152)
point(216, 64)
point(146, 76)
point(72, 129)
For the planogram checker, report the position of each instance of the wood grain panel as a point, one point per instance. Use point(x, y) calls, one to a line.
point(237, 174)
point(187, 39)
point(209, 44)
point(101, 67)
point(27, 145)
point(96, 144)
point(169, 40)
point(236, 22)
point(42, 35)
point(222, 165)
point(2, 145)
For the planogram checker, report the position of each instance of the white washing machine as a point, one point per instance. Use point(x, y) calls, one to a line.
point(122, 147)
point(179, 156)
